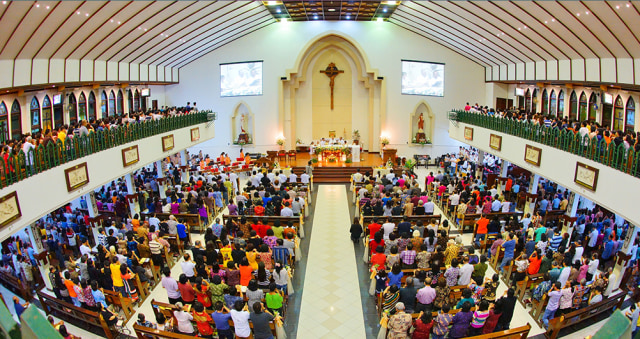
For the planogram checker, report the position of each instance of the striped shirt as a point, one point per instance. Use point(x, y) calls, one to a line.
point(155, 247)
point(441, 324)
point(479, 319)
point(555, 242)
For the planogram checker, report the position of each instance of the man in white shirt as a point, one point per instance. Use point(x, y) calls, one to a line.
point(86, 249)
point(271, 176)
point(362, 192)
point(428, 207)
point(304, 178)
point(28, 145)
point(293, 177)
point(286, 211)
point(564, 274)
point(296, 207)
point(189, 268)
point(233, 177)
point(454, 199)
point(282, 177)
point(391, 175)
point(357, 177)
point(388, 228)
point(465, 272)
point(255, 179)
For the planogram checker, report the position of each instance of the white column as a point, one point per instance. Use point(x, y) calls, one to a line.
point(36, 242)
point(162, 188)
point(574, 201)
point(92, 208)
point(133, 207)
point(621, 265)
point(479, 163)
point(183, 162)
point(504, 168)
point(533, 189)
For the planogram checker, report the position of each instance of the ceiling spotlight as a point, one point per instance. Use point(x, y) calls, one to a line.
point(577, 14)
point(145, 29)
point(384, 10)
point(272, 3)
point(331, 9)
point(111, 20)
point(348, 17)
point(78, 13)
point(525, 27)
point(628, 5)
point(139, 27)
point(38, 5)
point(518, 28)
point(617, 7)
point(4, 2)
point(86, 14)
point(315, 17)
point(47, 7)
point(553, 20)
point(278, 10)
point(587, 13)
point(545, 22)
point(118, 22)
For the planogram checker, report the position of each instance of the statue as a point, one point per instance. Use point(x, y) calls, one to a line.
point(242, 122)
point(421, 123)
point(332, 72)
point(420, 137)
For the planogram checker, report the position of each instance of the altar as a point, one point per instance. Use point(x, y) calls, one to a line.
point(338, 153)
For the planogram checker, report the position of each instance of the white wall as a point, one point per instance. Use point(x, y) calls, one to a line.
point(279, 45)
point(615, 190)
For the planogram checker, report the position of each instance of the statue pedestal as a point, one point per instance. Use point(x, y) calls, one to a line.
point(243, 137)
point(420, 137)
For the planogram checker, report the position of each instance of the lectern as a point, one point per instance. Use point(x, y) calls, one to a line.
point(389, 154)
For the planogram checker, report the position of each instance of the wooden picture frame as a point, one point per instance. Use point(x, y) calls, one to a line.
point(468, 133)
point(532, 155)
point(76, 176)
point(195, 134)
point(586, 176)
point(495, 142)
point(9, 209)
point(167, 143)
point(130, 155)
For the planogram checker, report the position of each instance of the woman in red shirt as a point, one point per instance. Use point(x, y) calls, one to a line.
point(203, 320)
point(422, 326)
point(377, 241)
point(246, 272)
point(186, 290)
point(534, 262)
point(378, 259)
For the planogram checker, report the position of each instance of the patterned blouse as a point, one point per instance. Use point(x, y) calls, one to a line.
point(451, 275)
point(398, 325)
point(217, 292)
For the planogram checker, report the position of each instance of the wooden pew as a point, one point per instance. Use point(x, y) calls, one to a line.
point(270, 219)
point(16, 286)
point(117, 300)
point(469, 220)
point(75, 315)
point(530, 281)
point(553, 215)
point(425, 219)
point(148, 332)
point(515, 333)
point(177, 246)
point(144, 289)
point(558, 323)
point(148, 263)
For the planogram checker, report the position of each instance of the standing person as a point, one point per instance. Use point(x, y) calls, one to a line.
point(184, 319)
point(260, 318)
point(423, 325)
point(221, 319)
point(441, 323)
point(399, 323)
point(240, 318)
point(171, 285)
point(188, 268)
point(553, 303)
point(355, 230)
point(508, 306)
point(509, 247)
point(461, 321)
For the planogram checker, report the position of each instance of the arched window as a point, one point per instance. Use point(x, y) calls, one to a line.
point(35, 115)
point(618, 114)
point(553, 109)
point(91, 107)
point(545, 102)
point(593, 106)
point(103, 104)
point(573, 106)
point(112, 104)
point(534, 100)
point(4, 123)
point(73, 109)
point(527, 101)
point(129, 101)
point(136, 101)
point(16, 124)
point(120, 103)
point(82, 107)
point(583, 106)
point(630, 120)
point(561, 104)
point(46, 114)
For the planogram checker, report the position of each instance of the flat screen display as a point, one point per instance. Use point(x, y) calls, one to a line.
point(519, 92)
point(608, 99)
point(145, 92)
point(241, 78)
point(422, 78)
point(57, 99)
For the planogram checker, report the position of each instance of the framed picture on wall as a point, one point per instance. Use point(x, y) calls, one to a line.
point(532, 155)
point(586, 176)
point(195, 134)
point(468, 133)
point(167, 143)
point(130, 155)
point(9, 209)
point(495, 142)
point(76, 176)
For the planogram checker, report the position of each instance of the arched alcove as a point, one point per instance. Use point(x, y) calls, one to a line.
point(368, 104)
point(242, 124)
point(422, 109)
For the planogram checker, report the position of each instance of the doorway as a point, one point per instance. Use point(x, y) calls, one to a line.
point(607, 113)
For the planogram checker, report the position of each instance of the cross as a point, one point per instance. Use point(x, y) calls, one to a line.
point(332, 72)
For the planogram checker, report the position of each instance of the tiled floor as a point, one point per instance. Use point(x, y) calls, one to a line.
point(331, 305)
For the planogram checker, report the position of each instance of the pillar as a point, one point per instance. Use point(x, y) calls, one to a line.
point(623, 257)
point(533, 189)
point(161, 183)
point(479, 164)
point(43, 265)
point(574, 201)
point(504, 169)
point(133, 207)
point(92, 208)
point(183, 165)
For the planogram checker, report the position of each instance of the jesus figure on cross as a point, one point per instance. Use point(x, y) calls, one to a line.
point(332, 72)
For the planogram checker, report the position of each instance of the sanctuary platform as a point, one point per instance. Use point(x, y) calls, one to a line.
point(333, 171)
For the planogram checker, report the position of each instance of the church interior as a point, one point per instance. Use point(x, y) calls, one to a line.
point(319, 169)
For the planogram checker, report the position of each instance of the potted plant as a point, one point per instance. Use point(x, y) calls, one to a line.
point(384, 141)
point(280, 142)
point(298, 141)
point(409, 164)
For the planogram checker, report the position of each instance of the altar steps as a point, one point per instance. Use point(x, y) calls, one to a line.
point(332, 174)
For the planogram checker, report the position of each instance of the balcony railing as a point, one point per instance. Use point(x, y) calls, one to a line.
point(21, 166)
point(612, 155)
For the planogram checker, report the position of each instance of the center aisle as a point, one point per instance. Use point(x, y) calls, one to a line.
point(331, 305)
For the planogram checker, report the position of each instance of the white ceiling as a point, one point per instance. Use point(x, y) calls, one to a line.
point(496, 33)
point(175, 33)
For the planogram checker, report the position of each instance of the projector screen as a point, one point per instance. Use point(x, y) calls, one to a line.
point(145, 92)
point(422, 78)
point(242, 78)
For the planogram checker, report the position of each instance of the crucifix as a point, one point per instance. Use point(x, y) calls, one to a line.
point(332, 72)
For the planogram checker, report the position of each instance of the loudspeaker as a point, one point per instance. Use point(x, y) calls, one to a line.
point(283, 78)
point(380, 78)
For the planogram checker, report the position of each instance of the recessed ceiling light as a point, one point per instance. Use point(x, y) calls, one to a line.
point(315, 17)
point(617, 7)
point(384, 10)
point(545, 22)
point(78, 13)
point(278, 10)
point(553, 20)
point(331, 10)
point(139, 27)
point(145, 29)
point(86, 14)
point(118, 22)
point(38, 5)
point(4, 2)
point(518, 28)
point(587, 13)
point(628, 5)
point(577, 14)
point(111, 20)
point(348, 17)
point(47, 7)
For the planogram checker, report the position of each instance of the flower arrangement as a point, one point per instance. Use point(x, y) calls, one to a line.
point(384, 141)
point(280, 141)
point(298, 141)
point(355, 135)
